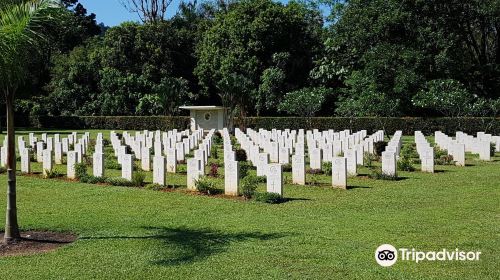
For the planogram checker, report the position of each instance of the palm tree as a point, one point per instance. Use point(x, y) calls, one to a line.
point(21, 25)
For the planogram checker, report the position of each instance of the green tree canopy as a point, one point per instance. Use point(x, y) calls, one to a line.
point(265, 47)
point(396, 46)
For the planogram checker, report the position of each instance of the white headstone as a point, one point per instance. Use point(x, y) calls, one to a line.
point(157, 148)
point(351, 157)
point(193, 172)
point(427, 160)
point(262, 162)
point(98, 164)
point(39, 151)
point(50, 142)
point(459, 154)
point(275, 179)
point(159, 170)
point(179, 147)
point(484, 150)
point(127, 166)
point(298, 169)
point(231, 177)
point(71, 161)
point(315, 158)
point(360, 153)
point(145, 159)
point(274, 152)
point(47, 162)
point(99, 149)
point(65, 145)
point(284, 156)
point(58, 153)
point(171, 160)
point(3, 156)
point(79, 152)
point(25, 161)
point(339, 172)
point(389, 163)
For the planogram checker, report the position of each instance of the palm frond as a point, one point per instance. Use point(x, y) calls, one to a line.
point(21, 28)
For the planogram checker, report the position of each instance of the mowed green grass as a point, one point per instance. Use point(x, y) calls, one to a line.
point(321, 233)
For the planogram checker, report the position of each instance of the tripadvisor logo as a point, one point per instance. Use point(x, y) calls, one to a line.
point(387, 255)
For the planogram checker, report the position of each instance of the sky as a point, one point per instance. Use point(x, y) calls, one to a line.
point(112, 12)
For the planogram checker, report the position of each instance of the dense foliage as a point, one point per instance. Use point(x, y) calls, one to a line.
point(373, 58)
point(385, 52)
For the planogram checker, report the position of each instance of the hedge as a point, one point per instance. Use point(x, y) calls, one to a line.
point(408, 125)
point(111, 122)
point(390, 125)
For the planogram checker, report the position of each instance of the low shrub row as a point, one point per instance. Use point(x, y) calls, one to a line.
point(408, 125)
point(110, 122)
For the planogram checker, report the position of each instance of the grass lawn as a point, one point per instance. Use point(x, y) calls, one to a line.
point(320, 233)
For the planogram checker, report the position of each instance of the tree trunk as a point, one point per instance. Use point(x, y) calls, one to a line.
point(11, 226)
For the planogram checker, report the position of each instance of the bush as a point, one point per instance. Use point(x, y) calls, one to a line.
point(405, 160)
point(214, 170)
point(314, 171)
point(379, 147)
point(80, 170)
point(409, 151)
point(49, 174)
point(90, 179)
point(405, 164)
point(271, 198)
point(438, 153)
point(492, 149)
point(181, 169)
point(138, 179)
point(369, 158)
point(326, 167)
point(156, 187)
point(313, 180)
point(217, 139)
point(112, 164)
point(445, 160)
point(219, 162)
point(87, 160)
point(240, 155)
point(206, 185)
point(213, 152)
point(119, 182)
point(287, 167)
point(378, 175)
point(3, 170)
point(248, 186)
point(106, 142)
point(244, 167)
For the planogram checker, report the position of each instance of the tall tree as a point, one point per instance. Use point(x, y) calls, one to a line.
point(20, 29)
point(148, 10)
point(393, 47)
point(255, 46)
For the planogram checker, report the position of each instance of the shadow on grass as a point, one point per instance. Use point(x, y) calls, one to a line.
point(175, 186)
point(288, 199)
point(441, 171)
point(400, 178)
point(358, 187)
point(191, 245)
